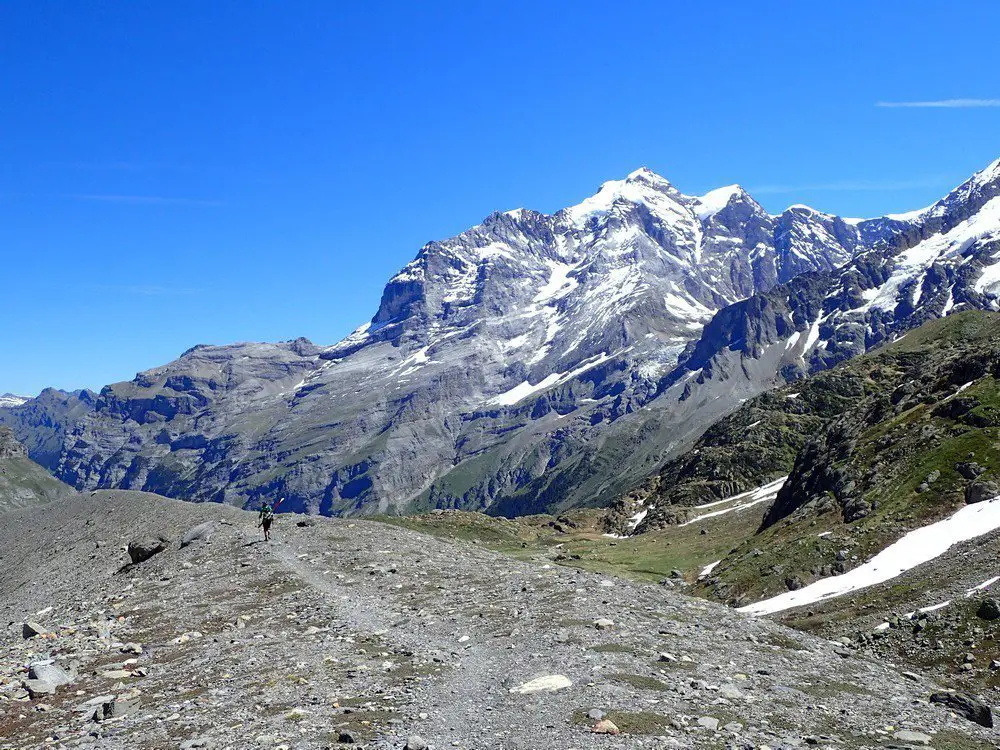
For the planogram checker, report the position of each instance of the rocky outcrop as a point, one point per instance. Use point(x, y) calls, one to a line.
point(873, 449)
point(535, 361)
point(22, 481)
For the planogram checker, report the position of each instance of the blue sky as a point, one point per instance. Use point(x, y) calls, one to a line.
point(174, 173)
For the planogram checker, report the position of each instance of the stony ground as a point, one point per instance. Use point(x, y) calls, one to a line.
point(356, 633)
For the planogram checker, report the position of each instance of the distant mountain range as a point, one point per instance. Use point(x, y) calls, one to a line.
point(534, 362)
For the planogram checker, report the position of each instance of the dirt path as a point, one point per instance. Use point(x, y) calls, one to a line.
point(371, 633)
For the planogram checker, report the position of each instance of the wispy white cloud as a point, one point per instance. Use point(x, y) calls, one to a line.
point(944, 103)
point(147, 200)
point(853, 186)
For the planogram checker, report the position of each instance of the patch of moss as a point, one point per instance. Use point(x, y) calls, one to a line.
point(612, 648)
point(639, 682)
point(629, 722)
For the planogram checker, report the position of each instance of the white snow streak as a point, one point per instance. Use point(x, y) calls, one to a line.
point(742, 501)
point(707, 570)
point(915, 548)
point(984, 585)
point(634, 521)
point(525, 389)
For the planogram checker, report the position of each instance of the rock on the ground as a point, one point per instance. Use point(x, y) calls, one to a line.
point(547, 684)
point(989, 609)
point(605, 726)
point(965, 705)
point(48, 671)
point(32, 629)
point(140, 550)
point(36, 688)
point(912, 738)
point(981, 490)
point(200, 533)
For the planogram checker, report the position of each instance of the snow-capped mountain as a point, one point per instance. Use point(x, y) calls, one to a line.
point(9, 399)
point(532, 361)
point(914, 267)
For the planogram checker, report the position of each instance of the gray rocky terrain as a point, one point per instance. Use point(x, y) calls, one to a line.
point(534, 362)
point(524, 364)
point(22, 481)
point(344, 633)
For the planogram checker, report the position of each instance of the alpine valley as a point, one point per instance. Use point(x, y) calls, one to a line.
point(793, 418)
point(534, 362)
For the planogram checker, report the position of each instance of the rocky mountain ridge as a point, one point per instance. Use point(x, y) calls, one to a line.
point(533, 361)
point(22, 481)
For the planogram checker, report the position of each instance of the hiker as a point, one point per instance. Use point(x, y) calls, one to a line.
point(267, 517)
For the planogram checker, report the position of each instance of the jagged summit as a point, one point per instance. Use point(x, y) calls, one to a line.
point(714, 201)
point(503, 365)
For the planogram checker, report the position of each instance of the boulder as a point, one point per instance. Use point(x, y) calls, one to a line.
point(856, 509)
point(140, 550)
point(49, 671)
point(200, 533)
point(415, 743)
point(969, 469)
point(547, 684)
point(980, 490)
point(709, 722)
point(965, 705)
point(123, 704)
point(38, 688)
point(605, 726)
point(912, 738)
point(989, 609)
point(603, 623)
point(32, 629)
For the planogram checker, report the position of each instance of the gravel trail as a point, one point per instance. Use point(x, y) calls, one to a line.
point(343, 634)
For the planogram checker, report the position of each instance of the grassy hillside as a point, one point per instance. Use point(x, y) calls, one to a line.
point(903, 453)
point(22, 481)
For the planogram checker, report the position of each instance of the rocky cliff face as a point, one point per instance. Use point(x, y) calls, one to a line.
point(884, 444)
point(42, 423)
point(22, 481)
point(536, 361)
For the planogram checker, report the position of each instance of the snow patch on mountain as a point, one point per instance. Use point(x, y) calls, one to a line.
point(911, 263)
point(913, 549)
point(9, 400)
point(714, 201)
point(742, 501)
point(522, 390)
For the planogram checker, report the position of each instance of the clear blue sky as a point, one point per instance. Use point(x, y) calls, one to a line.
point(174, 173)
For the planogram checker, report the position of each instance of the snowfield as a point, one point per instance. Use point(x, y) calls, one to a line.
point(915, 548)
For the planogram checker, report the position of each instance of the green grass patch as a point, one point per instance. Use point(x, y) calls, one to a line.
point(637, 681)
point(629, 722)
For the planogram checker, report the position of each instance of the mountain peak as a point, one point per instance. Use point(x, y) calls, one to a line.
point(645, 174)
point(641, 186)
point(991, 173)
point(714, 201)
point(8, 400)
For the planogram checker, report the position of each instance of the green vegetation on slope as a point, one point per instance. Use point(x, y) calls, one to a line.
point(903, 455)
point(22, 481)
